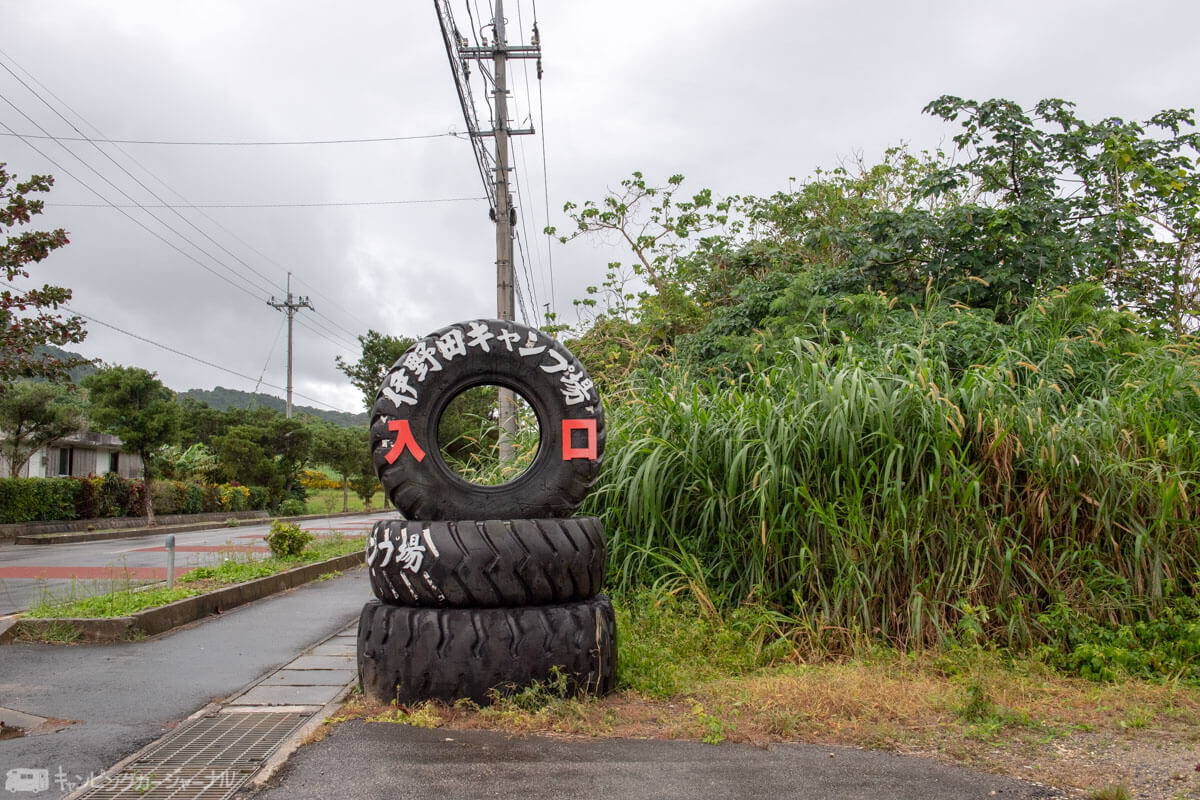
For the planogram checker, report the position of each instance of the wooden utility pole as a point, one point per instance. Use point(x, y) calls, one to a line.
point(505, 304)
point(503, 212)
point(289, 307)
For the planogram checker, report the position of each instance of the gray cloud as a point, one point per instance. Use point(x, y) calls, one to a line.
point(737, 96)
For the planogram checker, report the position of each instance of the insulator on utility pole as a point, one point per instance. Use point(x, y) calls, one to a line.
point(290, 307)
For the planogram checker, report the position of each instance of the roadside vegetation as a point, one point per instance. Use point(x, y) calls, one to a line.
point(907, 454)
point(292, 548)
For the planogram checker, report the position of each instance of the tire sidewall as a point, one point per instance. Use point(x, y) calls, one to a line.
point(530, 363)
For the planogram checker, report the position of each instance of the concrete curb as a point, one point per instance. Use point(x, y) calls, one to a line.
point(99, 536)
point(11, 531)
point(159, 620)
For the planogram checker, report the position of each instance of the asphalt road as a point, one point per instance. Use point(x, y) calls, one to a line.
point(383, 761)
point(121, 697)
point(31, 573)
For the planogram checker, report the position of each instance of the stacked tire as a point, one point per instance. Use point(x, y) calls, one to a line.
point(483, 590)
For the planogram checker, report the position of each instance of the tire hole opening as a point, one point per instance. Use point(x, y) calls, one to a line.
point(474, 444)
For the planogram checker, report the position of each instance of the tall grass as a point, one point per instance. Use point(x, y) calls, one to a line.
point(889, 494)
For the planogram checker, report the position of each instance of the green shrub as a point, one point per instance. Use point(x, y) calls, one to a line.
point(38, 499)
point(168, 496)
point(286, 540)
point(292, 507)
point(193, 500)
point(234, 497)
point(85, 498)
point(259, 495)
point(112, 495)
point(212, 499)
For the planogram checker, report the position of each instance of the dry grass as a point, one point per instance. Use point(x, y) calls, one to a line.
point(1022, 721)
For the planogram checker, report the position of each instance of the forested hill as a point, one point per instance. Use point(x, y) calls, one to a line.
point(220, 398)
point(223, 399)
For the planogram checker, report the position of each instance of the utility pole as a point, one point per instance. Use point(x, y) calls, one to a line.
point(503, 213)
point(290, 307)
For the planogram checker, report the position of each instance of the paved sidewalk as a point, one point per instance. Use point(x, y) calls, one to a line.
point(397, 762)
point(91, 706)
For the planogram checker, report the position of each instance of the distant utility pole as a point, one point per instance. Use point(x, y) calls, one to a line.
point(290, 307)
point(503, 213)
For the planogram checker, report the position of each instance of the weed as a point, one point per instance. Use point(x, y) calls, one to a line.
point(112, 604)
point(422, 715)
point(327, 576)
point(55, 633)
point(232, 522)
point(1114, 791)
point(713, 728)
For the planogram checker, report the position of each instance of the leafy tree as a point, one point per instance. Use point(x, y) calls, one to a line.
point(1068, 200)
point(342, 450)
point(379, 352)
point(133, 404)
point(27, 317)
point(265, 448)
point(364, 482)
point(33, 414)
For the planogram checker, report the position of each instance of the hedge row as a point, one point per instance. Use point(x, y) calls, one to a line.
point(56, 499)
point(180, 497)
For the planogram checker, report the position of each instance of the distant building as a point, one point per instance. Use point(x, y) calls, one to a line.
point(79, 455)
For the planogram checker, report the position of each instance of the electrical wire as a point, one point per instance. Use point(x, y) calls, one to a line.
point(162, 183)
point(197, 359)
point(138, 222)
point(270, 205)
point(168, 143)
point(134, 178)
point(270, 353)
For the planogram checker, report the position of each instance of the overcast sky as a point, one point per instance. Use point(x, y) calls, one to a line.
point(737, 96)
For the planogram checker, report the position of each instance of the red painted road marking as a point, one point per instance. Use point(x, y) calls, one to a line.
point(92, 573)
point(208, 548)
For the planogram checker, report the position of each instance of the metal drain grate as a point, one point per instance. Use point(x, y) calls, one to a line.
point(207, 760)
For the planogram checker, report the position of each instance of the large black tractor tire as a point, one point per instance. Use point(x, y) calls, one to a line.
point(408, 655)
point(487, 563)
point(422, 383)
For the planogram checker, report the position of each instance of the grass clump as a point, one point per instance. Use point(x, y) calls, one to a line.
point(668, 643)
point(112, 604)
point(130, 600)
point(893, 489)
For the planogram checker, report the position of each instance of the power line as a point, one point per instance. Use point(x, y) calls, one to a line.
point(545, 180)
point(268, 205)
point(462, 85)
point(154, 177)
point(135, 179)
point(330, 337)
point(189, 356)
point(171, 143)
point(137, 221)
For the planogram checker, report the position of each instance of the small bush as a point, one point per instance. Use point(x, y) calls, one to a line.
point(112, 495)
point(286, 540)
point(259, 496)
point(193, 499)
point(168, 496)
point(292, 508)
point(85, 498)
point(234, 497)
